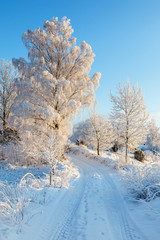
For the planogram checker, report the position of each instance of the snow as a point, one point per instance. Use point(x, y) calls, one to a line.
point(95, 205)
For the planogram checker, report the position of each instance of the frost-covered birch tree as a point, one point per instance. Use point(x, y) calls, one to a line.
point(99, 132)
point(129, 115)
point(7, 93)
point(153, 136)
point(55, 83)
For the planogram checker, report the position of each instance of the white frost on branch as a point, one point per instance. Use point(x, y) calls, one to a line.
point(153, 137)
point(129, 116)
point(99, 133)
point(55, 82)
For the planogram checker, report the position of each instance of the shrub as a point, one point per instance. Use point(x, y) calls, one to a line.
point(9, 135)
point(143, 182)
point(115, 147)
point(139, 155)
point(81, 141)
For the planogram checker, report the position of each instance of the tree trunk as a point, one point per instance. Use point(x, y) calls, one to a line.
point(98, 152)
point(127, 129)
point(126, 154)
point(4, 124)
point(50, 175)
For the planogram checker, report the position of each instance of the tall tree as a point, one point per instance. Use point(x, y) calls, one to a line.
point(153, 136)
point(99, 132)
point(7, 93)
point(129, 114)
point(55, 84)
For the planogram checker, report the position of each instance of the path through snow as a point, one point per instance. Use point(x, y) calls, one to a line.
point(92, 209)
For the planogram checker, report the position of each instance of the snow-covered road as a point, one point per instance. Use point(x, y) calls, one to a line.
point(101, 213)
point(92, 209)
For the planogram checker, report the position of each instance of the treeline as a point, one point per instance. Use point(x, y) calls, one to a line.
point(40, 98)
point(126, 127)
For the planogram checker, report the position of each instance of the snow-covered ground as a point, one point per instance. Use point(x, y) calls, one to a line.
point(94, 207)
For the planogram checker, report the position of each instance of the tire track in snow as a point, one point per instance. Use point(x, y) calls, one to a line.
point(96, 224)
point(63, 229)
point(116, 209)
point(93, 209)
point(128, 228)
point(56, 225)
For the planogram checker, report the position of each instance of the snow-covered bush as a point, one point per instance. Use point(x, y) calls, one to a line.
point(13, 204)
point(15, 198)
point(64, 173)
point(13, 153)
point(149, 156)
point(139, 155)
point(81, 141)
point(143, 182)
point(21, 198)
point(115, 147)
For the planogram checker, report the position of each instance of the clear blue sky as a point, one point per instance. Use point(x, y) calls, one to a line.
point(124, 35)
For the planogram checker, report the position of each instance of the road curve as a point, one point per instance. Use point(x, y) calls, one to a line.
point(91, 209)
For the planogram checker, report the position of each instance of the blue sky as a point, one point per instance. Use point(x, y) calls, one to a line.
point(124, 35)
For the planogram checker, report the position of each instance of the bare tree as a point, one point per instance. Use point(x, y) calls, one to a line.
point(129, 114)
point(7, 93)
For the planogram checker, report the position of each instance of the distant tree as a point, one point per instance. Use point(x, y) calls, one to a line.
point(118, 137)
point(7, 96)
point(79, 130)
point(99, 132)
point(153, 137)
point(129, 115)
point(55, 83)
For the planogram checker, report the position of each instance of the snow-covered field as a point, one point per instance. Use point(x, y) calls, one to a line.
point(96, 205)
